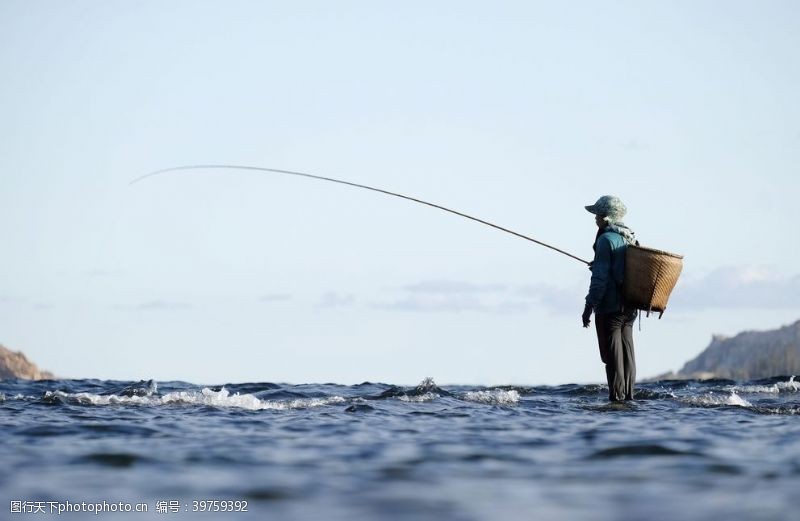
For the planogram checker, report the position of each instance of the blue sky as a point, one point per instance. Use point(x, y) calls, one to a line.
point(519, 113)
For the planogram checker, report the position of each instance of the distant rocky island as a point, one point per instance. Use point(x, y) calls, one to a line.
point(747, 356)
point(13, 364)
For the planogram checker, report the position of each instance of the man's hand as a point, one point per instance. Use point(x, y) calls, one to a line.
point(587, 315)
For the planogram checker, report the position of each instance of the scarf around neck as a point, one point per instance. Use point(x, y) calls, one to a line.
point(620, 228)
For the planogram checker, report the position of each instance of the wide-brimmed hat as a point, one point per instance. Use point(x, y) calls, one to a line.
point(609, 206)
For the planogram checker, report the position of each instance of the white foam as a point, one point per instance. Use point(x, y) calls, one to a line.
point(427, 397)
point(494, 397)
point(755, 389)
point(98, 399)
point(427, 383)
point(223, 398)
point(790, 386)
point(716, 399)
point(205, 396)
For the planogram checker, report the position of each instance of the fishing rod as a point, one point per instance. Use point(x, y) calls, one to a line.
point(357, 185)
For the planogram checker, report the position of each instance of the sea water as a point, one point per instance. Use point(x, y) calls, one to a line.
point(93, 449)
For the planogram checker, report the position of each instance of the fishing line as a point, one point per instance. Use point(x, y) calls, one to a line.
point(357, 185)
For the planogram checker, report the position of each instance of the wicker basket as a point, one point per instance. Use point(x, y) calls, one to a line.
point(650, 276)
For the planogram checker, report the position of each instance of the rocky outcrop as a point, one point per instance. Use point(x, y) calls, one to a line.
point(13, 364)
point(747, 356)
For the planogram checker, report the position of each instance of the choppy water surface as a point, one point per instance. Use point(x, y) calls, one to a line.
point(682, 450)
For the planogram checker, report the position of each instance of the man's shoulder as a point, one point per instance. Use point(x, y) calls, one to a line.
point(612, 238)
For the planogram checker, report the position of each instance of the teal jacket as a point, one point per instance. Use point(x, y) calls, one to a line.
point(608, 269)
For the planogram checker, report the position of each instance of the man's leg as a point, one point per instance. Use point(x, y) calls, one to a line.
point(616, 354)
point(603, 341)
point(629, 356)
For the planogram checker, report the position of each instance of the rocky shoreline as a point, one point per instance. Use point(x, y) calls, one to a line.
point(750, 355)
point(14, 364)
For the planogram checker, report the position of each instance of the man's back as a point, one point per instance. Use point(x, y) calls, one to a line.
point(608, 270)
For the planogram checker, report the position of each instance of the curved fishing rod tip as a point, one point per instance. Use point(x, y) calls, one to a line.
point(137, 179)
point(356, 185)
point(150, 174)
point(185, 167)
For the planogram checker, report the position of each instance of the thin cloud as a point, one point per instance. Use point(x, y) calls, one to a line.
point(275, 297)
point(454, 296)
point(752, 287)
point(445, 286)
point(101, 273)
point(156, 305)
point(333, 299)
point(559, 300)
point(36, 305)
point(162, 304)
point(432, 302)
point(634, 145)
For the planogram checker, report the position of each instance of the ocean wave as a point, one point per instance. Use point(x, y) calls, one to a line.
point(641, 450)
point(653, 394)
point(790, 410)
point(493, 397)
point(55, 397)
point(578, 389)
point(790, 386)
point(222, 398)
point(419, 398)
point(715, 400)
point(425, 391)
point(359, 407)
point(141, 388)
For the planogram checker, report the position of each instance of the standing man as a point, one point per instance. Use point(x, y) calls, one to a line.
point(613, 321)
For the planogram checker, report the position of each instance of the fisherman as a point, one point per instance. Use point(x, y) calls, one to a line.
point(613, 320)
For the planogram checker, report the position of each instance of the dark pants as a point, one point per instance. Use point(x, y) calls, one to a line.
point(615, 336)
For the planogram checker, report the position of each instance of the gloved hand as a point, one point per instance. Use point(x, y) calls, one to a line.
point(587, 315)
